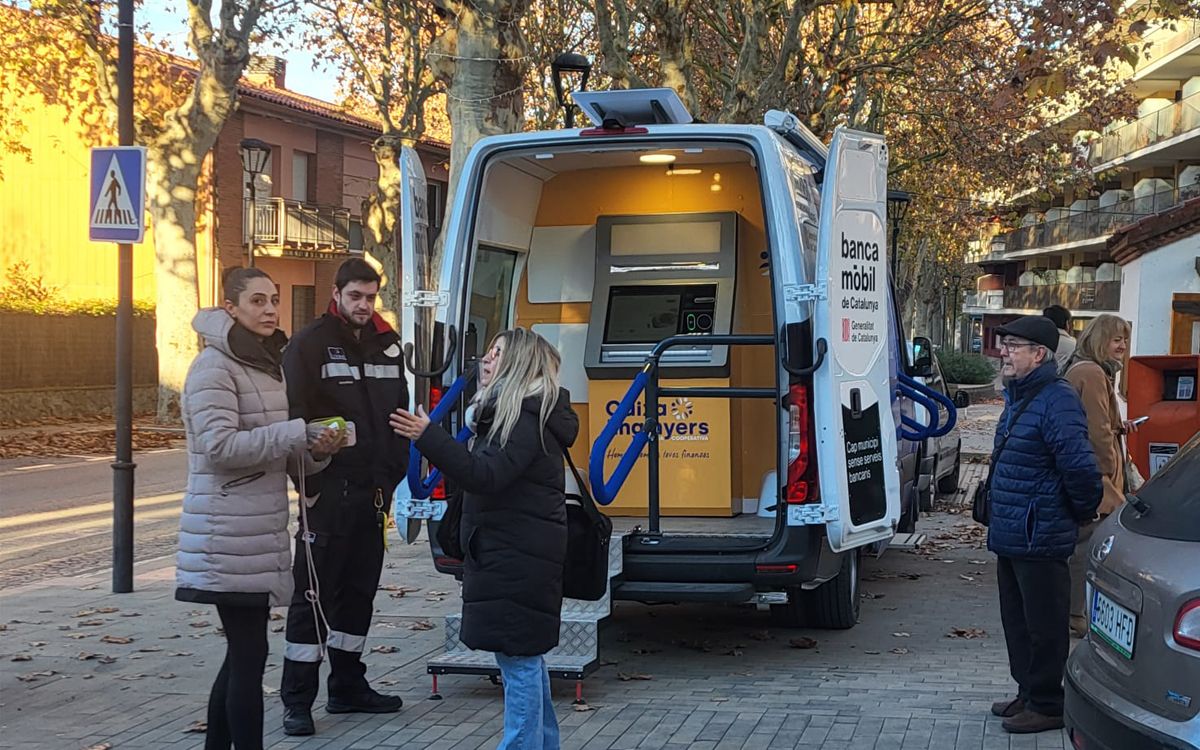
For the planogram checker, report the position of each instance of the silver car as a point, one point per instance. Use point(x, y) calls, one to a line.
point(1134, 681)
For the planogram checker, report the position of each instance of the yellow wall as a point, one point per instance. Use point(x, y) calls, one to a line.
point(44, 212)
point(579, 198)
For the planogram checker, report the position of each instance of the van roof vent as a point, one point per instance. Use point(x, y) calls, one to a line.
point(622, 108)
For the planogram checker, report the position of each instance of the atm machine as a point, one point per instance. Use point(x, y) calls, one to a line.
point(658, 276)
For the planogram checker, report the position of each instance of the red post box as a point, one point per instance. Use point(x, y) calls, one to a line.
point(1163, 388)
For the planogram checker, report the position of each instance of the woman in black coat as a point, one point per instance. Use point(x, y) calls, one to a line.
point(514, 524)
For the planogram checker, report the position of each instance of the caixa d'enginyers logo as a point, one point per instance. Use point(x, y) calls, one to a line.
point(681, 425)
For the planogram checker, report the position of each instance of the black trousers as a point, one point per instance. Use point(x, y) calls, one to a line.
point(347, 552)
point(235, 704)
point(1035, 600)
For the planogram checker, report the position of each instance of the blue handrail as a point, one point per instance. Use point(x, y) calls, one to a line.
point(926, 397)
point(606, 491)
point(423, 488)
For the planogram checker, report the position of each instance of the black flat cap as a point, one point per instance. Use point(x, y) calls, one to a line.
point(1036, 328)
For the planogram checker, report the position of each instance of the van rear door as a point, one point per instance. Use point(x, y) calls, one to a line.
point(856, 430)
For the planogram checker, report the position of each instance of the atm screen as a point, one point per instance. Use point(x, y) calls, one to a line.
point(649, 314)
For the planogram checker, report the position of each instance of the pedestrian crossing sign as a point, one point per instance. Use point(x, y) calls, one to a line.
point(118, 194)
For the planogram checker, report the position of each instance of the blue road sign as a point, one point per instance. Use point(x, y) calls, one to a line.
point(118, 190)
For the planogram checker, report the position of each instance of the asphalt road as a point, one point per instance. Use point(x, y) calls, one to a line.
point(56, 513)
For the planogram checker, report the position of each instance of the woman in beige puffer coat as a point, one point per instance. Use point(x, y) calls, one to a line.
point(234, 549)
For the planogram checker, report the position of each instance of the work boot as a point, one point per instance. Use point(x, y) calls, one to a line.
point(1031, 722)
point(368, 702)
point(298, 721)
point(1008, 708)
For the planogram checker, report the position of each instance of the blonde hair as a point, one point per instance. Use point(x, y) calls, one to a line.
point(1093, 342)
point(528, 367)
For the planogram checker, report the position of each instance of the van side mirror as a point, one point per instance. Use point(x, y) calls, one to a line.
point(922, 357)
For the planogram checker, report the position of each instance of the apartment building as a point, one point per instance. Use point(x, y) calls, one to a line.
point(1062, 252)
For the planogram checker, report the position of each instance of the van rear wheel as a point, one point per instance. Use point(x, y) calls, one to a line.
point(834, 604)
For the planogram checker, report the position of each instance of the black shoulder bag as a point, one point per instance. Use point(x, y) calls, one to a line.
point(981, 504)
point(589, 533)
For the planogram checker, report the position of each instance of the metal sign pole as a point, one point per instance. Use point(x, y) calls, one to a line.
point(123, 467)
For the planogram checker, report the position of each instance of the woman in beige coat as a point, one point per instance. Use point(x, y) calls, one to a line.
point(1099, 356)
point(234, 549)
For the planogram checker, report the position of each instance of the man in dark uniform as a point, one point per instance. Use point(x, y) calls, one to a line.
point(346, 364)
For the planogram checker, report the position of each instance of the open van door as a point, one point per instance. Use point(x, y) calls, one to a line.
point(420, 274)
point(856, 430)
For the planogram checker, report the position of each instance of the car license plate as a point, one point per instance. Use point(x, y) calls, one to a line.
point(1115, 624)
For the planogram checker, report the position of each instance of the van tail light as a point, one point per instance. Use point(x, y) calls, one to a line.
point(435, 397)
point(802, 466)
point(1187, 625)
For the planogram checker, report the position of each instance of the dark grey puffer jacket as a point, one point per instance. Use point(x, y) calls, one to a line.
point(233, 534)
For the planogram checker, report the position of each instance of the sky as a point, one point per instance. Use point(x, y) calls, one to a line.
point(167, 20)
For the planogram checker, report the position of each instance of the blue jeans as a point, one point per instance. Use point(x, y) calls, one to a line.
point(529, 721)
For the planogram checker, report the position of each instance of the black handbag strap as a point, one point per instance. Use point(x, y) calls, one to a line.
point(1011, 423)
point(584, 492)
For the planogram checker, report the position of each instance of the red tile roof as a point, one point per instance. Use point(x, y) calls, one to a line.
point(1132, 241)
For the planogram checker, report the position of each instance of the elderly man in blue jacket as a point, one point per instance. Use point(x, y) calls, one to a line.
point(1045, 483)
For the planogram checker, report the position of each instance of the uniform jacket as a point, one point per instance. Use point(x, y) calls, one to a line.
point(331, 373)
point(1045, 482)
point(1099, 399)
point(514, 527)
point(233, 540)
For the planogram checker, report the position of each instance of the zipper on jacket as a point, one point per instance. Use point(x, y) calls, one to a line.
point(232, 483)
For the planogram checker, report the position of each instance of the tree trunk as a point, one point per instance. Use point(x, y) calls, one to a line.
point(173, 210)
point(381, 211)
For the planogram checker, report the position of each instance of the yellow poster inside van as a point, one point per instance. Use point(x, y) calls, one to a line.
point(694, 446)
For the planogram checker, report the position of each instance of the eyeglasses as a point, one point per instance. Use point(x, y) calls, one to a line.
point(1014, 345)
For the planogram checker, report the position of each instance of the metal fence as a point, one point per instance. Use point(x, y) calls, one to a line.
point(279, 222)
point(1094, 224)
point(1179, 118)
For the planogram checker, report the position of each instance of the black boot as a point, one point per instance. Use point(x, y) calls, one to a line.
point(298, 721)
point(367, 702)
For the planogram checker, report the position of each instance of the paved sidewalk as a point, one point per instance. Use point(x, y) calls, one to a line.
point(133, 671)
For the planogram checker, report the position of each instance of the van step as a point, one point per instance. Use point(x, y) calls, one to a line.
point(484, 663)
point(657, 591)
point(640, 544)
point(577, 636)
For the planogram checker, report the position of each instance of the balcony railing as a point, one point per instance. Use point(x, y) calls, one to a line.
point(1179, 118)
point(1091, 295)
point(1165, 41)
point(292, 225)
point(1095, 224)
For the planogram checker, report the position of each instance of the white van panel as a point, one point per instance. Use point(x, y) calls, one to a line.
point(856, 430)
point(570, 339)
point(507, 218)
point(562, 264)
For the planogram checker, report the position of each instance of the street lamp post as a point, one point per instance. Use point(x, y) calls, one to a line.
point(575, 64)
point(254, 160)
point(898, 202)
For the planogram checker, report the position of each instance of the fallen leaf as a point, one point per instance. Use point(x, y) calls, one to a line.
point(35, 676)
point(3, 627)
point(608, 663)
point(762, 635)
point(582, 707)
point(131, 614)
point(149, 649)
point(967, 633)
point(438, 593)
point(84, 613)
point(106, 610)
point(130, 677)
point(389, 683)
point(179, 653)
point(167, 676)
point(169, 637)
point(101, 658)
point(900, 635)
point(870, 651)
point(21, 657)
point(199, 624)
point(644, 651)
point(116, 640)
point(197, 727)
point(383, 649)
point(36, 644)
point(268, 690)
point(78, 636)
point(91, 623)
point(421, 625)
point(277, 628)
point(900, 651)
point(93, 587)
point(871, 595)
point(803, 642)
point(734, 652)
point(100, 746)
point(977, 562)
point(277, 616)
point(965, 578)
point(628, 676)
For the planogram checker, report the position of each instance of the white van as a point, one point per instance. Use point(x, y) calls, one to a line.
point(722, 301)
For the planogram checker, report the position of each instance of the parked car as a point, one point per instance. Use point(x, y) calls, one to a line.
point(940, 456)
point(1134, 682)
